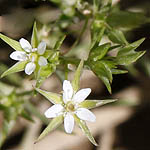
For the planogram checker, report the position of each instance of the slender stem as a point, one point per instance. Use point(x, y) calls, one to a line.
point(36, 112)
point(81, 33)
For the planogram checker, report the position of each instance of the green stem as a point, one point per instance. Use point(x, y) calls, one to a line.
point(81, 33)
point(36, 113)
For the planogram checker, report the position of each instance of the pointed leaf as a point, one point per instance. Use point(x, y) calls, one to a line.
point(99, 52)
point(26, 115)
point(59, 42)
point(34, 39)
point(42, 73)
point(85, 130)
point(52, 125)
point(89, 104)
point(13, 43)
point(118, 71)
point(117, 36)
point(106, 82)
point(130, 58)
point(129, 49)
point(19, 66)
point(52, 97)
point(76, 80)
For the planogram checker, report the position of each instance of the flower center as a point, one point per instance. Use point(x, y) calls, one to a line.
point(70, 107)
point(33, 57)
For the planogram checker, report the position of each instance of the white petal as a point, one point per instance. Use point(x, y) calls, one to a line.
point(18, 55)
point(25, 45)
point(81, 95)
point(42, 61)
point(85, 114)
point(30, 67)
point(54, 111)
point(67, 91)
point(69, 123)
point(42, 48)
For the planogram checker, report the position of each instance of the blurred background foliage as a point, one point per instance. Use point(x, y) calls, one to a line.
point(122, 125)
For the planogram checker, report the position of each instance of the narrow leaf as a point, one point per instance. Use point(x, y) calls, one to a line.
point(19, 66)
point(26, 115)
point(85, 130)
point(129, 48)
point(13, 43)
point(34, 38)
point(89, 104)
point(59, 42)
point(76, 80)
point(52, 125)
point(52, 97)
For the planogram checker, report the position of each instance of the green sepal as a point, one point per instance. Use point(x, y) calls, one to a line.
point(128, 55)
point(52, 97)
point(34, 38)
point(52, 125)
point(59, 42)
point(42, 73)
point(85, 130)
point(13, 43)
point(19, 66)
point(89, 104)
point(76, 80)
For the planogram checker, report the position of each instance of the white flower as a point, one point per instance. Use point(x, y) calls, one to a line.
point(70, 107)
point(32, 55)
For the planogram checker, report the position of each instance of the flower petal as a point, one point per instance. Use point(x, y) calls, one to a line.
point(18, 55)
point(85, 114)
point(54, 111)
point(30, 67)
point(42, 48)
point(81, 95)
point(25, 45)
point(68, 91)
point(69, 123)
point(42, 61)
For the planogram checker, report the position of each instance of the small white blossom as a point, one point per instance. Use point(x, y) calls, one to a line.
point(70, 107)
point(32, 55)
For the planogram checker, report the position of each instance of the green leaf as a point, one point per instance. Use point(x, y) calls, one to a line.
point(34, 38)
point(26, 115)
point(118, 71)
point(52, 125)
point(59, 42)
point(19, 66)
point(89, 104)
point(13, 43)
point(127, 55)
point(97, 32)
point(99, 52)
point(117, 36)
point(106, 82)
point(76, 80)
point(5, 130)
point(10, 116)
point(125, 19)
point(103, 71)
point(43, 73)
point(85, 130)
point(33, 110)
point(52, 97)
